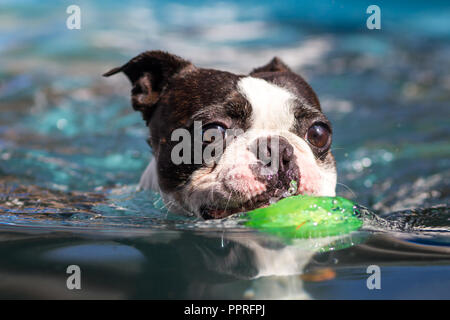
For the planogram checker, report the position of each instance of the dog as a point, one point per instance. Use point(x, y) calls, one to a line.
point(271, 103)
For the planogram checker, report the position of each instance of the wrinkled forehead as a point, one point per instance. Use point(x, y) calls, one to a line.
point(238, 100)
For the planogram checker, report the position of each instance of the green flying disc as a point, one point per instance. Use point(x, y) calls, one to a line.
point(306, 217)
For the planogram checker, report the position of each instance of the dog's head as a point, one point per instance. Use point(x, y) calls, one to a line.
point(226, 143)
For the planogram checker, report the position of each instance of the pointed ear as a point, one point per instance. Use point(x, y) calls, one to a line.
point(149, 73)
point(275, 65)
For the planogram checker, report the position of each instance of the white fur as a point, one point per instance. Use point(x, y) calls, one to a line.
point(271, 105)
point(273, 115)
point(149, 179)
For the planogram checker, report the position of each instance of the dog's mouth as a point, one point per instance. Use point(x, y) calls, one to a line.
point(260, 201)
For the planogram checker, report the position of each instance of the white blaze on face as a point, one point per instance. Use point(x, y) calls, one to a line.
point(271, 105)
point(273, 114)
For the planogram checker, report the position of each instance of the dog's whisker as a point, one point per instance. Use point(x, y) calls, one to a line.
point(340, 148)
point(228, 201)
point(165, 205)
point(348, 188)
point(170, 205)
point(211, 194)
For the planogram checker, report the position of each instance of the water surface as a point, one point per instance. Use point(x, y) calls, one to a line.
point(72, 150)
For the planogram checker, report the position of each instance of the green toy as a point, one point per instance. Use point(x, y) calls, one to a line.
point(306, 217)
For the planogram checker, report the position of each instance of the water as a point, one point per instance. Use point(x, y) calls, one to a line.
point(72, 150)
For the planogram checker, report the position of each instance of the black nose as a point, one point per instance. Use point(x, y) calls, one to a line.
point(274, 148)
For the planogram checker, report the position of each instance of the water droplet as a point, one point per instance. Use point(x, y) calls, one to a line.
point(388, 156)
point(368, 183)
point(249, 294)
point(61, 123)
point(273, 200)
point(366, 162)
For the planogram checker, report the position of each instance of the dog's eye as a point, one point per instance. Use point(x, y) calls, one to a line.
point(318, 135)
point(213, 131)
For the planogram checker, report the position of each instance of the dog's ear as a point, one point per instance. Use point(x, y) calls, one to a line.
point(149, 72)
point(275, 65)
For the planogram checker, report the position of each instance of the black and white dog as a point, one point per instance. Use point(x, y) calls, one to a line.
point(271, 103)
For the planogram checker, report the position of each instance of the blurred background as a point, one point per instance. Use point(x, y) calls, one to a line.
point(65, 128)
point(72, 150)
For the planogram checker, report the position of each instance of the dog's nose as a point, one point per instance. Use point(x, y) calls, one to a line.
point(274, 148)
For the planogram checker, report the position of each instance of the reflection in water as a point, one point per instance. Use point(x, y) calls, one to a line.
point(71, 151)
point(132, 256)
point(130, 263)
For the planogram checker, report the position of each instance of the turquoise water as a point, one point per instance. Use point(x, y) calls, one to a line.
point(72, 150)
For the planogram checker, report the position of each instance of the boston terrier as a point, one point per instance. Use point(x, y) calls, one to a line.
point(265, 132)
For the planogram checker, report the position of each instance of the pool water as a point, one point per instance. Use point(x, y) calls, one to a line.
point(72, 151)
